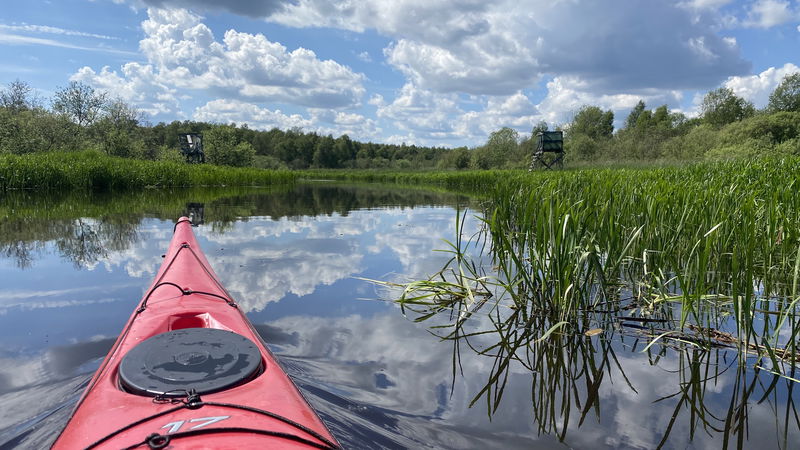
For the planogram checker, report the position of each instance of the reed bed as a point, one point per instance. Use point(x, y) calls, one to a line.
point(704, 256)
point(702, 236)
point(95, 171)
point(475, 182)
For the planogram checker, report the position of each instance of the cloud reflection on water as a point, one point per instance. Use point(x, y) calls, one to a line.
point(261, 261)
point(381, 380)
point(349, 355)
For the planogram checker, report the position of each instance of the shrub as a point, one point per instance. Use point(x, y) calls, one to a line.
point(268, 162)
point(164, 153)
point(776, 128)
point(224, 148)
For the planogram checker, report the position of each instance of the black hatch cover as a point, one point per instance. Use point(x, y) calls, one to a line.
point(204, 359)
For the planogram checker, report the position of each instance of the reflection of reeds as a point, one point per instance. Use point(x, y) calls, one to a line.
point(686, 258)
point(568, 368)
point(699, 374)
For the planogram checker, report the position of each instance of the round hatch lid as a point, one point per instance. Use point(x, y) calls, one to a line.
point(204, 359)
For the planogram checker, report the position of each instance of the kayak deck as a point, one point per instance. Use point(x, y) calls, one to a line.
point(264, 409)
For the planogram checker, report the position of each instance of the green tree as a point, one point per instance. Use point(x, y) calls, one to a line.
point(119, 142)
point(633, 117)
point(457, 158)
point(343, 151)
point(56, 131)
point(268, 162)
point(222, 147)
point(539, 127)
point(581, 147)
point(306, 145)
point(284, 148)
point(661, 118)
point(16, 134)
point(80, 102)
point(36, 130)
point(721, 107)
point(118, 133)
point(323, 153)
point(123, 115)
point(480, 158)
point(643, 121)
point(593, 122)
point(502, 147)
point(786, 97)
point(17, 97)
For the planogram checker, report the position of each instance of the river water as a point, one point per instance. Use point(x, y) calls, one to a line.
point(73, 267)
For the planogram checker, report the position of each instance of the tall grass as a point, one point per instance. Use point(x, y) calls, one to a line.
point(698, 260)
point(704, 255)
point(472, 182)
point(94, 171)
point(701, 236)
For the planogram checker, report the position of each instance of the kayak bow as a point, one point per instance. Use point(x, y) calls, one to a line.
point(190, 371)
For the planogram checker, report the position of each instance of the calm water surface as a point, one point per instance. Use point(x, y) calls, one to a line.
point(73, 268)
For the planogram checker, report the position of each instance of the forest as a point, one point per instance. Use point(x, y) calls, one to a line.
point(78, 118)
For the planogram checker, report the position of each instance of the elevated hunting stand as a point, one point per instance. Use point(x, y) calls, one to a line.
point(192, 147)
point(548, 142)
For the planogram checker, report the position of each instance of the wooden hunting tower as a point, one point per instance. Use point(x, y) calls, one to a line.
point(192, 147)
point(548, 143)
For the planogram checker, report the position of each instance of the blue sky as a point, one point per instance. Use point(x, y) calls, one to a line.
point(443, 73)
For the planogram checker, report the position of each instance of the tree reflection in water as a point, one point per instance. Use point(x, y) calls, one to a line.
point(86, 226)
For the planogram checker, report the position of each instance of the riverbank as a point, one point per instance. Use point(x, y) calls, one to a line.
point(89, 170)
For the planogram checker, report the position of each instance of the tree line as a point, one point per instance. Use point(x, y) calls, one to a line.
point(728, 127)
point(80, 117)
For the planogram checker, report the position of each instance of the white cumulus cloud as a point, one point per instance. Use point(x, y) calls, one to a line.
point(566, 96)
point(243, 65)
point(757, 88)
point(498, 48)
point(138, 85)
point(469, 67)
point(415, 109)
point(770, 13)
point(184, 59)
point(235, 111)
point(320, 120)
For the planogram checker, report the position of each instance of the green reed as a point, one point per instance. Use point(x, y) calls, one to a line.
point(716, 245)
point(476, 182)
point(95, 171)
point(567, 370)
point(697, 236)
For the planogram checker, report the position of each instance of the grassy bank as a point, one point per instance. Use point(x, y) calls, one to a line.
point(95, 171)
point(472, 181)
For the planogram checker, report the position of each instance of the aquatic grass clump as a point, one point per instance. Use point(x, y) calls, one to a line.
point(570, 267)
point(95, 171)
point(705, 255)
point(727, 229)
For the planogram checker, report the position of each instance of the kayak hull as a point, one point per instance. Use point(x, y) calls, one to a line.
point(264, 411)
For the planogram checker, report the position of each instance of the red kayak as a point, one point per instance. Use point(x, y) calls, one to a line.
point(189, 371)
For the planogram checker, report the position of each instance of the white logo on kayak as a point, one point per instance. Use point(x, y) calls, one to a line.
point(174, 427)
